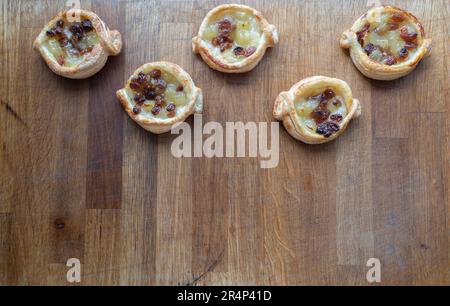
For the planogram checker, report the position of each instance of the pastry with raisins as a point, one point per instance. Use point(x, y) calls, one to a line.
point(159, 95)
point(234, 38)
point(76, 44)
point(317, 110)
point(386, 43)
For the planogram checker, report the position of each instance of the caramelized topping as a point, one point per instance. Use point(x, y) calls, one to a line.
point(71, 45)
point(142, 78)
point(392, 26)
point(320, 114)
point(250, 51)
point(135, 85)
point(171, 107)
point(159, 101)
point(385, 55)
point(389, 59)
point(328, 94)
point(224, 40)
point(51, 33)
point(397, 17)
point(139, 98)
point(156, 110)
point(403, 53)
point(362, 33)
point(369, 48)
point(226, 27)
point(149, 93)
point(171, 110)
point(406, 36)
point(159, 85)
point(156, 74)
point(238, 51)
point(327, 123)
point(336, 118)
point(152, 87)
point(410, 45)
point(87, 25)
point(77, 30)
point(327, 129)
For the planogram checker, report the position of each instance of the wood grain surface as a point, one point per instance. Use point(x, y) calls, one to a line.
point(80, 180)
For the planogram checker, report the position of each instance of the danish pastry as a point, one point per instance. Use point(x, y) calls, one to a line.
point(159, 95)
point(77, 48)
point(234, 38)
point(386, 43)
point(317, 109)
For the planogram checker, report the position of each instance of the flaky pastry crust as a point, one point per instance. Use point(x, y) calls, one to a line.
point(110, 44)
point(286, 112)
point(194, 103)
point(268, 39)
point(375, 70)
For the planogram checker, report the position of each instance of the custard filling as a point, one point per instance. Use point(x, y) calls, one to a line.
point(157, 94)
point(322, 113)
point(389, 38)
point(69, 43)
point(233, 36)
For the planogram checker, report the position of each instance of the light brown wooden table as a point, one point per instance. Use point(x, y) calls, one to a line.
point(80, 180)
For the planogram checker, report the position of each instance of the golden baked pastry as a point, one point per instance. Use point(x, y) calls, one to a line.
point(159, 95)
point(234, 38)
point(80, 49)
point(386, 43)
point(317, 109)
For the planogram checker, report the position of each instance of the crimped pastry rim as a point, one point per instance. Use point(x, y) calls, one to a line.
point(160, 125)
point(110, 45)
point(377, 70)
point(269, 39)
point(285, 111)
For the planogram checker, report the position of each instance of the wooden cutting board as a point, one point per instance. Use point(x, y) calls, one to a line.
point(80, 180)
